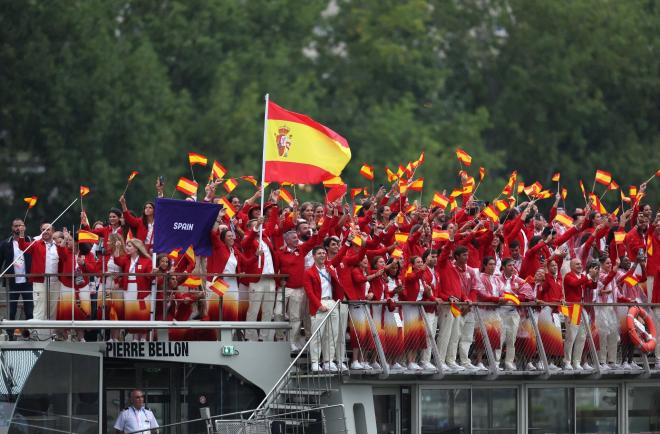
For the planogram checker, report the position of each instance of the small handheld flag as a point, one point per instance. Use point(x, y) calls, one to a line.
point(186, 186)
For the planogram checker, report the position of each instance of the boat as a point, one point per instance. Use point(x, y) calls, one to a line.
point(231, 385)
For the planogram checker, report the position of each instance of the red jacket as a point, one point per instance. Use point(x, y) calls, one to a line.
point(143, 265)
point(450, 280)
point(575, 286)
point(634, 241)
point(69, 263)
point(38, 252)
point(104, 232)
point(218, 260)
point(312, 285)
point(140, 230)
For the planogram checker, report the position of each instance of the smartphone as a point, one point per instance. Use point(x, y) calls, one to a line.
point(161, 180)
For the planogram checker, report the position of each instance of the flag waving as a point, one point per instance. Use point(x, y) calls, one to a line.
point(300, 150)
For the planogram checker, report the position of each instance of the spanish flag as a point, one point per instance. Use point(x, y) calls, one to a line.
point(333, 182)
point(391, 176)
point(230, 185)
point(397, 253)
point(132, 175)
point(218, 171)
point(482, 173)
point(631, 281)
point(249, 178)
point(186, 186)
point(192, 282)
point(455, 310)
point(564, 193)
point(400, 237)
point(355, 192)
point(31, 201)
point(84, 191)
point(463, 157)
point(286, 196)
point(440, 200)
point(619, 237)
point(174, 254)
point(367, 171)
point(491, 213)
point(190, 254)
point(219, 286)
point(300, 150)
point(575, 312)
point(417, 185)
point(501, 205)
point(512, 298)
point(199, 159)
point(438, 235)
point(603, 177)
point(564, 220)
point(229, 209)
point(87, 237)
point(556, 177)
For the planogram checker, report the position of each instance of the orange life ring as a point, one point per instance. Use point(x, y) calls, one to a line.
point(642, 337)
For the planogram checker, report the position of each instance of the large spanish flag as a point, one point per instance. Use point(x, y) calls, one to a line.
point(300, 150)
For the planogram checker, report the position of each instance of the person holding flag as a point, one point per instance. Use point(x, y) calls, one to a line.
point(136, 263)
point(142, 227)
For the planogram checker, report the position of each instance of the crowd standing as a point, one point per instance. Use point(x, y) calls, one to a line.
point(387, 248)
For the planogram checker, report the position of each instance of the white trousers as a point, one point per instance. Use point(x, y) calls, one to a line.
point(510, 324)
point(45, 297)
point(450, 328)
point(340, 344)
point(466, 337)
point(608, 333)
point(432, 320)
point(574, 342)
point(293, 298)
point(262, 299)
point(324, 341)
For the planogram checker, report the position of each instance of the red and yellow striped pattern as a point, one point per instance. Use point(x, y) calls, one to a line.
point(455, 310)
point(218, 171)
point(463, 157)
point(564, 220)
point(512, 298)
point(231, 212)
point(300, 150)
point(417, 185)
point(186, 186)
point(230, 185)
point(575, 313)
point(440, 200)
point(286, 196)
point(603, 177)
point(367, 171)
point(556, 177)
point(197, 159)
point(438, 235)
point(87, 237)
point(192, 282)
point(132, 175)
point(84, 191)
point(219, 286)
point(31, 201)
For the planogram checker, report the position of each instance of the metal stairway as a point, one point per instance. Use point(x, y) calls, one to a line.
point(298, 403)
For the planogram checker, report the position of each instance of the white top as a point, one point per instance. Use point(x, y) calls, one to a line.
point(391, 284)
point(268, 259)
point(326, 283)
point(130, 420)
point(150, 234)
point(420, 293)
point(19, 264)
point(232, 263)
point(52, 258)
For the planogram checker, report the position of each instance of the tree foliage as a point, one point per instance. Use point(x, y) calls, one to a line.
point(91, 90)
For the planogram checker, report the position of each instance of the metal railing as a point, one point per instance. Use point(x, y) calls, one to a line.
point(493, 340)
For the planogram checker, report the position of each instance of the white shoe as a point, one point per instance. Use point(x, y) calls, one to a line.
point(530, 366)
point(366, 366)
point(577, 367)
point(568, 366)
point(455, 367)
point(586, 366)
point(331, 367)
point(315, 367)
point(539, 366)
point(397, 367)
point(469, 366)
point(427, 366)
point(343, 367)
point(376, 365)
point(356, 365)
point(604, 367)
point(509, 366)
point(626, 366)
point(412, 366)
point(553, 367)
point(657, 363)
point(615, 366)
point(445, 367)
point(294, 348)
point(635, 366)
point(481, 367)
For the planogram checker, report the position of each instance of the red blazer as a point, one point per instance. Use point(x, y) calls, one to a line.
point(68, 262)
point(104, 232)
point(575, 287)
point(411, 287)
point(38, 252)
point(378, 287)
point(450, 280)
point(138, 227)
point(312, 285)
point(218, 260)
point(143, 265)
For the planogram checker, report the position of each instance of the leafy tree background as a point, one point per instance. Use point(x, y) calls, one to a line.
point(91, 90)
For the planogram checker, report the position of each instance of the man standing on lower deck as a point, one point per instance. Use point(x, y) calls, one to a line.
point(136, 417)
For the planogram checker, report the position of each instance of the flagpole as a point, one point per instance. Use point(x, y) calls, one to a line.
point(26, 214)
point(263, 170)
point(35, 240)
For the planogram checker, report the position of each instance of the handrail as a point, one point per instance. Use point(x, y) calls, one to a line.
point(491, 304)
point(114, 324)
point(280, 381)
point(155, 272)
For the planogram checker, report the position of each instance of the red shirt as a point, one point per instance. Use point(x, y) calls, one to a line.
point(450, 280)
point(312, 285)
point(575, 286)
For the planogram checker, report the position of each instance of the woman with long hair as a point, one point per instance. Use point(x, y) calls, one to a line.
point(225, 259)
point(143, 226)
point(136, 284)
point(415, 289)
point(114, 293)
point(113, 226)
point(75, 302)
